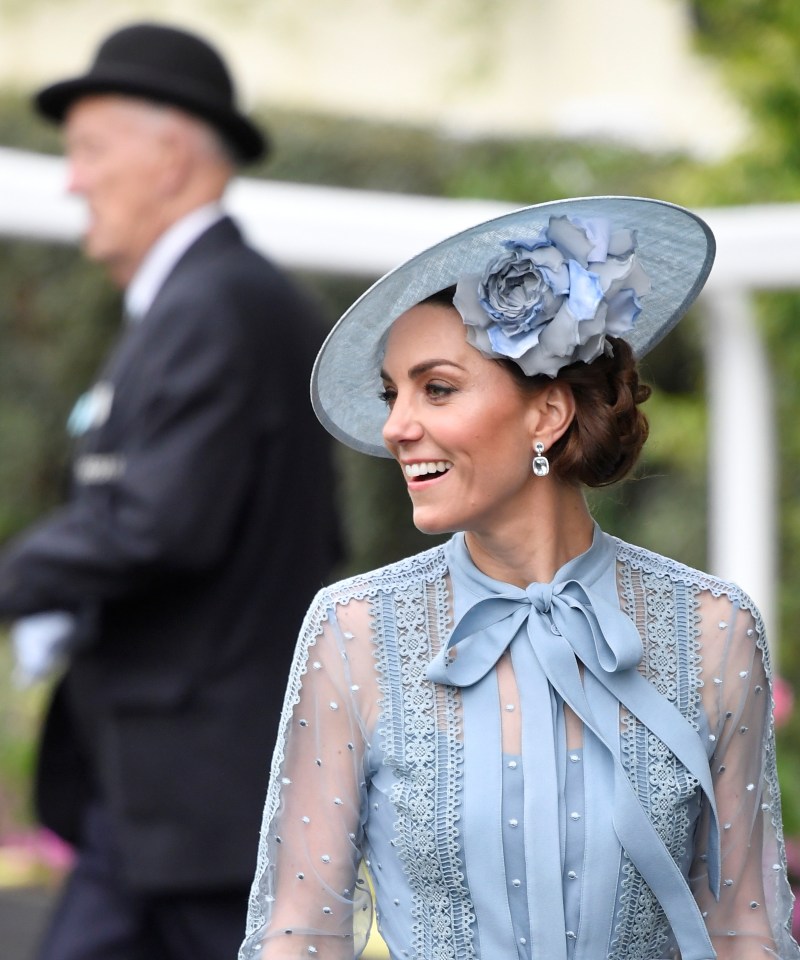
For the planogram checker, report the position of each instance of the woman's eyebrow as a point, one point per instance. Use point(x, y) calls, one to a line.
point(426, 365)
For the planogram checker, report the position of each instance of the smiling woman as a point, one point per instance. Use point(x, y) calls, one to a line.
point(538, 741)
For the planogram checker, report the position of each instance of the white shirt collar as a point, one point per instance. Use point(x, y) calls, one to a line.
point(164, 254)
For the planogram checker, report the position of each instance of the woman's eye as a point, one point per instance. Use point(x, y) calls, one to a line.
point(387, 396)
point(439, 390)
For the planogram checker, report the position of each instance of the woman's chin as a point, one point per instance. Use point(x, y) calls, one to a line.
point(431, 525)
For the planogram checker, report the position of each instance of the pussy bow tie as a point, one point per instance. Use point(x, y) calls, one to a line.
point(553, 630)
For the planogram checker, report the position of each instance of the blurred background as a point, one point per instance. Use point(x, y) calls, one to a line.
point(694, 102)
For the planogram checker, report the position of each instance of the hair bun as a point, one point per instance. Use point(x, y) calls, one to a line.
point(608, 432)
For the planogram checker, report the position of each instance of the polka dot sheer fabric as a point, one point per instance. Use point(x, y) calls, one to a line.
point(433, 798)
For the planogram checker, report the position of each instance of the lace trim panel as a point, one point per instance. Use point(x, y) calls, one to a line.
point(663, 611)
point(421, 732)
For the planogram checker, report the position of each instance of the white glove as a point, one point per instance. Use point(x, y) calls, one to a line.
point(41, 644)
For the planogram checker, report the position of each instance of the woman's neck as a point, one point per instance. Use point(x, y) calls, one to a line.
point(533, 548)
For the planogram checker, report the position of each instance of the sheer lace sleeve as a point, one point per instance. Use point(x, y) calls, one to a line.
point(750, 921)
point(307, 898)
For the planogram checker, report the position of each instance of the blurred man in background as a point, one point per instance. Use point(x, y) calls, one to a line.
point(200, 521)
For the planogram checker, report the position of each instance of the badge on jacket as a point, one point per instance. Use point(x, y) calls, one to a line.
point(91, 409)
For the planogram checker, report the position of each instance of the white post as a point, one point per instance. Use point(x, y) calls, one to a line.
point(741, 451)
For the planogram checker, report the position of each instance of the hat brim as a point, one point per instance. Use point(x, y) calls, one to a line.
point(245, 139)
point(674, 247)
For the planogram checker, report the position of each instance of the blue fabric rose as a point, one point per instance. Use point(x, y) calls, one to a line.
point(550, 301)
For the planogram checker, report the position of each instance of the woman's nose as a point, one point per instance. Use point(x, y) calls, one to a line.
point(401, 425)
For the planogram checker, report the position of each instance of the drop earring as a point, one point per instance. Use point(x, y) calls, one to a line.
point(541, 465)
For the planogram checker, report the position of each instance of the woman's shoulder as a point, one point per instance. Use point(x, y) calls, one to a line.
point(659, 565)
point(424, 567)
point(721, 612)
point(348, 601)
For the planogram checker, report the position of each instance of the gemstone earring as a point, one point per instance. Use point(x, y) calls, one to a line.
point(541, 465)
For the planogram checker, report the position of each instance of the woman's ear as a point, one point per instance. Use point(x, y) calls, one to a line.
point(553, 410)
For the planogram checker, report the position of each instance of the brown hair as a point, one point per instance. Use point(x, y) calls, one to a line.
point(606, 436)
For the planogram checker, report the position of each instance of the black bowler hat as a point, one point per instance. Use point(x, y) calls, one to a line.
point(167, 65)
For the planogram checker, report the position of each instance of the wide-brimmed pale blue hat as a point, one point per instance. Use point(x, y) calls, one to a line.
point(674, 248)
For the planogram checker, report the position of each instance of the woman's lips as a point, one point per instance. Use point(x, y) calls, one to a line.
point(426, 469)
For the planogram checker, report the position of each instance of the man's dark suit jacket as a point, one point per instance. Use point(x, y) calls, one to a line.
point(200, 524)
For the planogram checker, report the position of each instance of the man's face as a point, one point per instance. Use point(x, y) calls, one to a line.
point(119, 161)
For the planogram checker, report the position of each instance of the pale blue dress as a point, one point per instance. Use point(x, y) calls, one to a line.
point(409, 764)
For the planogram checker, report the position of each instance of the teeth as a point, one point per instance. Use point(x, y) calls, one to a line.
point(422, 469)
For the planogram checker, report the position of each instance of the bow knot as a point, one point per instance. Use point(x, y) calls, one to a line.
point(540, 596)
point(602, 638)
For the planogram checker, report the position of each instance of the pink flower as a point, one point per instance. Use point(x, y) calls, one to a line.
point(783, 696)
point(38, 847)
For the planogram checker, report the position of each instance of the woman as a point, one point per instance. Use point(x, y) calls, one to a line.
point(538, 741)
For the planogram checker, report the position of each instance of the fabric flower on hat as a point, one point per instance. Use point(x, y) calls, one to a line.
point(553, 300)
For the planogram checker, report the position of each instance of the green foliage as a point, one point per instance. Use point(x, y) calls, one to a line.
point(757, 43)
point(400, 159)
point(779, 314)
point(19, 710)
point(55, 321)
